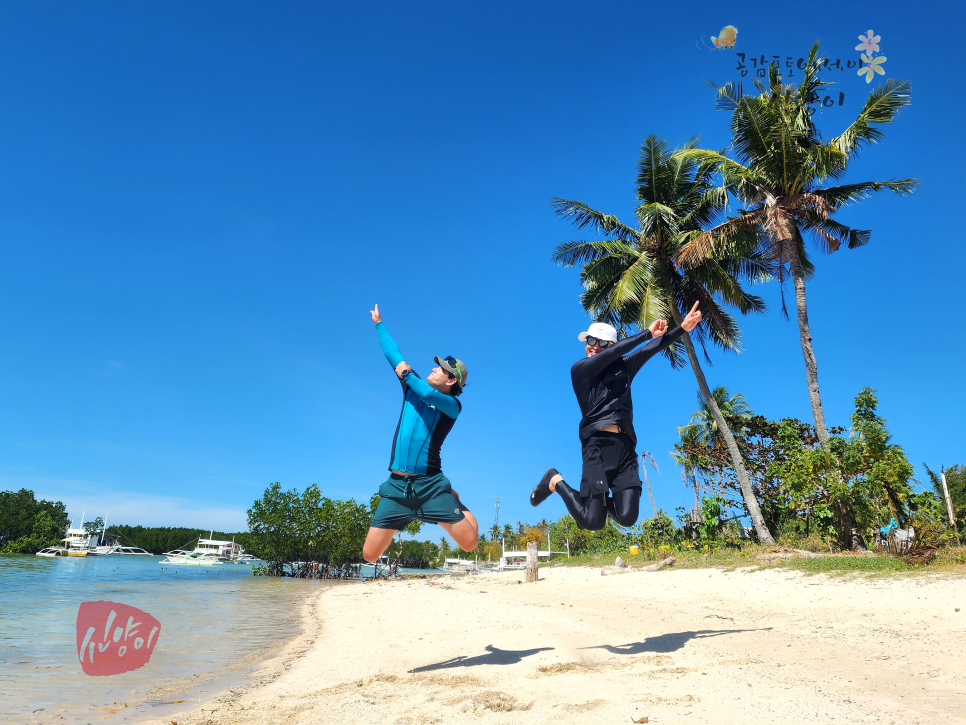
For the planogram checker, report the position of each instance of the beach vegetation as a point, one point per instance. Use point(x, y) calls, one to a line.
point(841, 492)
point(28, 525)
point(297, 532)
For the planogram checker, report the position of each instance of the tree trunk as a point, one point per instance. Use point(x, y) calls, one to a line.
point(532, 567)
point(648, 483)
point(811, 366)
point(751, 503)
point(849, 536)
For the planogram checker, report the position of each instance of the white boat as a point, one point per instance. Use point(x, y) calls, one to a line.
point(176, 552)
point(53, 551)
point(78, 542)
point(460, 564)
point(194, 559)
point(129, 551)
point(209, 552)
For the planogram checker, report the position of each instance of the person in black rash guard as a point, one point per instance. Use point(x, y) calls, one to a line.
point(602, 383)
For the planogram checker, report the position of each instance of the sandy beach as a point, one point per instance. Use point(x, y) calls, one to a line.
point(694, 646)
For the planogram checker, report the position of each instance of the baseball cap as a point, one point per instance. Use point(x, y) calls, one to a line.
point(456, 368)
point(600, 330)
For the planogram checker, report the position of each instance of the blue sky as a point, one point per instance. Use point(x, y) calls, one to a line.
point(199, 204)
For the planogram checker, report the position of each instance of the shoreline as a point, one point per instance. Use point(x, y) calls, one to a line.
point(261, 670)
point(711, 644)
point(197, 656)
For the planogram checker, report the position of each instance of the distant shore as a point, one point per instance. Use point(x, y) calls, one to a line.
point(718, 646)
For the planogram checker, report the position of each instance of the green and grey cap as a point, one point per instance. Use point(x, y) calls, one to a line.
point(456, 368)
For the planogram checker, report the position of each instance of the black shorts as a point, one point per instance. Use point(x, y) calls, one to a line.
point(610, 462)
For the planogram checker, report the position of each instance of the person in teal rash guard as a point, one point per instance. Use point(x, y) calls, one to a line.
point(416, 487)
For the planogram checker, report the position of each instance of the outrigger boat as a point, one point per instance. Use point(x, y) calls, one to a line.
point(210, 552)
point(130, 551)
point(78, 542)
point(53, 551)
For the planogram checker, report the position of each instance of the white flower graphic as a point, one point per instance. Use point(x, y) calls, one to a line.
point(870, 43)
point(872, 66)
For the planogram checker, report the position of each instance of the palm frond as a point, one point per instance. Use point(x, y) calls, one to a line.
point(708, 243)
point(880, 107)
point(830, 234)
point(582, 216)
point(572, 253)
point(845, 194)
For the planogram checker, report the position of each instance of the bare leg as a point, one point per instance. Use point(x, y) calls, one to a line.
point(465, 533)
point(377, 541)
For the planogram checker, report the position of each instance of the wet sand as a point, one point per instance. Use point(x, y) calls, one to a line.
point(696, 646)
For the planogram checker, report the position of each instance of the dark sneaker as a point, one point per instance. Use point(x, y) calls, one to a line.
point(542, 492)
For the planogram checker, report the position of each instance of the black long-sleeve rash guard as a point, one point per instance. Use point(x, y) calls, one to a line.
point(602, 382)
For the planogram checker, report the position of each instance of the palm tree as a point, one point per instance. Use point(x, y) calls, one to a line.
point(646, 458)
point(734, 410)
point(507, 535)
point(703, 428)
point(633, 278)
point(694, 465)
point(779, 173)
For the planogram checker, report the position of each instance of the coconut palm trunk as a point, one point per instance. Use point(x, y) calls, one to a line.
point(805, 333)
point(647, 482)
point(744, 482)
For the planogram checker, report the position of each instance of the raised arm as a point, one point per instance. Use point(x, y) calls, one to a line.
point(635, 361)
point(445, 404)
point(594, 365)
point(389, 347)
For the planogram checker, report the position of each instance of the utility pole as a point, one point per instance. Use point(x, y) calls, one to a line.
point(496, 517)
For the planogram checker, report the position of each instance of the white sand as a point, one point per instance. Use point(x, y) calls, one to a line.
point(693, 646)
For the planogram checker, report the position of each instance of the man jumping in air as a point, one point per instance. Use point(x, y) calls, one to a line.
point(417, 488)
point(602, 383)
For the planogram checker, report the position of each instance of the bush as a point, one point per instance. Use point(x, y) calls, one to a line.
point(28, 525)
point(287, 527)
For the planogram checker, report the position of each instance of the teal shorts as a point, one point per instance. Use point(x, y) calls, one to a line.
point(403, 499)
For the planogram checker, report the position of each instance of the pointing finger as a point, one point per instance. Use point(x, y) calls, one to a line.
point(694, 308)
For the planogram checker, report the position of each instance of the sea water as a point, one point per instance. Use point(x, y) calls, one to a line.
point(217, 623)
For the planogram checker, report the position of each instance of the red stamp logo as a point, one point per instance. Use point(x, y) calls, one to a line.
point(113, 638)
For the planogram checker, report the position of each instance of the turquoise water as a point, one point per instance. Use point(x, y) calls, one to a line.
point(215, 623)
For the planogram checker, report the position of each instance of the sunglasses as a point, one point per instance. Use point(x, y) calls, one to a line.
point(603, 344)
point(454, 363)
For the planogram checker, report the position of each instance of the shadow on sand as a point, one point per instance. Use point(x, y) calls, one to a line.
point(494, 657)
point(670, 642)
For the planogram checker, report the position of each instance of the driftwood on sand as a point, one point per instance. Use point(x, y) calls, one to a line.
point(621, 568)
point(776, 556)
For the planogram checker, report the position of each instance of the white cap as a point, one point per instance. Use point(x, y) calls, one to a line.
point(600, 330)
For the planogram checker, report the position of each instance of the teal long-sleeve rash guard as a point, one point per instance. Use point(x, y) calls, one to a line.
point(426, 418)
